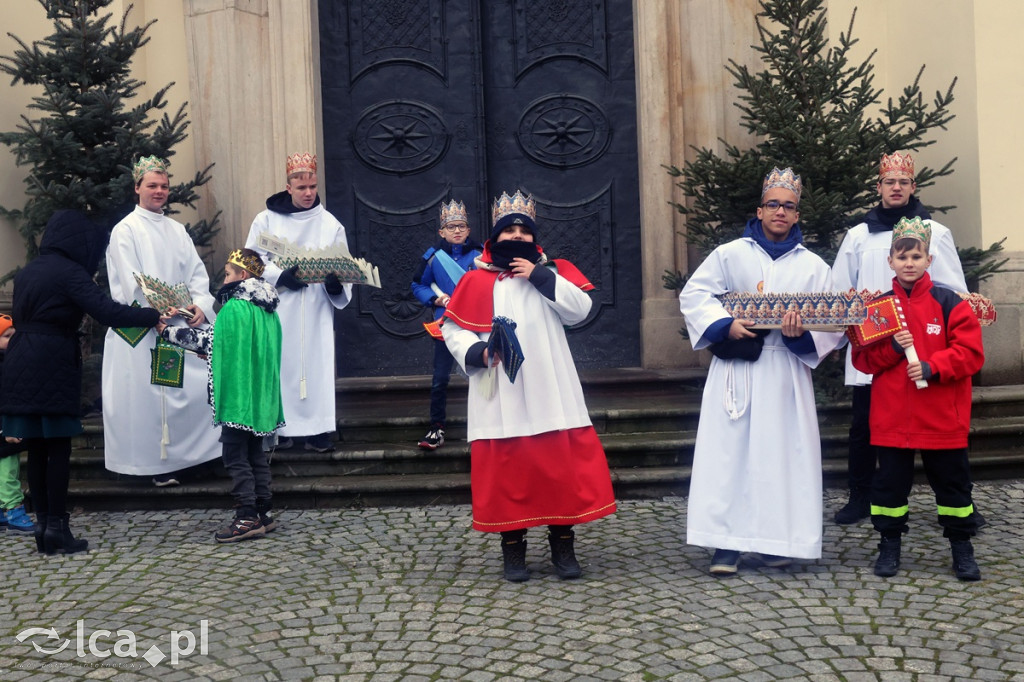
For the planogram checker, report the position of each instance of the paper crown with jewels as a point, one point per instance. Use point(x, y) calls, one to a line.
point(251, 262)
point(510, 207)
point(300, 162)
point(896, 166)
point(146, 164)
point(785, 179)
point(453, 212)
point(912, 228)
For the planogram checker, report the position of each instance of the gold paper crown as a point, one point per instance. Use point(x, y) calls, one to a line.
point(146, 164)
point(896, 166)
point(517, 203)
point(912, 228)
point(454, 212)
point(300, 162)
point(252, 263)
point(785, 179)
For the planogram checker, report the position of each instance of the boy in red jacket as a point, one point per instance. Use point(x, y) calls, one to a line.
point(946, 334)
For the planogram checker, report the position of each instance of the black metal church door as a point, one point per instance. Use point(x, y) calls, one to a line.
point(426, 100)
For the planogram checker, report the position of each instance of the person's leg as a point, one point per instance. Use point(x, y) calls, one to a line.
point(36, 475)
point(261, 479)
point(890, 508)
point(949, 475)
point(513, 553)
point(57, 538)
point(12, 499)
point(861, 459)
point(443, 362)
point(235, 455)
point(563, 554)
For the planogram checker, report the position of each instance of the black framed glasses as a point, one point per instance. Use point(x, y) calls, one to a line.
point(457, 228)
point(773, 205)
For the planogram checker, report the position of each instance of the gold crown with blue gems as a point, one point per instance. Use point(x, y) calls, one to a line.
point(453, 212)
point(517, 203)
point(250, 262)
point(912, 228)
point(785, 178)
point(146, 164)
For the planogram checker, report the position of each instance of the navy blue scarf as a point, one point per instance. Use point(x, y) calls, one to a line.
point(755, 230)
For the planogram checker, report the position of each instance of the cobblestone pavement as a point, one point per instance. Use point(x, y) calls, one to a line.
point(414, 594)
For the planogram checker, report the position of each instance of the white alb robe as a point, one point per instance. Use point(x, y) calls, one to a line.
point(547, 395)
point(863, 263)
point(148, 429)
point(307, 322)
point(756, 481)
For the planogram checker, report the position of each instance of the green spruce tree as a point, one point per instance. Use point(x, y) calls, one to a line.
point(88, 124)
point(814, 110)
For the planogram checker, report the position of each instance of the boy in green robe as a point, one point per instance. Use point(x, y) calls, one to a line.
point(243, 350)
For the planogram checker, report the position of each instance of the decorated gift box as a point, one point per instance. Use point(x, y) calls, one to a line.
point(820, 311)
point(315, 264)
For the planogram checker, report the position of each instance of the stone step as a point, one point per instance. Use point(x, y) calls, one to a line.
point(646, 420)
point(304, 492)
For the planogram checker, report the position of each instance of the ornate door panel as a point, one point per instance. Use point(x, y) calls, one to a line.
point(430, 99)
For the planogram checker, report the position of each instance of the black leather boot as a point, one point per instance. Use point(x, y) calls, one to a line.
point(563, 555)
point(888, 562)
point(57, 538)
point(964, 565)
point(513, 552)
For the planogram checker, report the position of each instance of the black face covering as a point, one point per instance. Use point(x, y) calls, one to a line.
point(503, 252)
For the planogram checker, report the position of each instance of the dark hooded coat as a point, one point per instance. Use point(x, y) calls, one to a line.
point(43, 368)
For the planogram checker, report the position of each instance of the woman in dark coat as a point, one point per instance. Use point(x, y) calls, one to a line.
point(39, 397)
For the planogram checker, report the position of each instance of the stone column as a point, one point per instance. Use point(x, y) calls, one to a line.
point(684, 99)
point(254, 83)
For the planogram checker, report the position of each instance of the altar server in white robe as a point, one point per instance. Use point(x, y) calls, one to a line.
point(756, 482)
point(154, 430)
point(306, 310)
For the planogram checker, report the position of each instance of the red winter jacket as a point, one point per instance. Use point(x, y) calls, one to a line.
point(947, 337)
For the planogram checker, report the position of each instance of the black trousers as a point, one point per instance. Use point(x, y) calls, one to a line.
point(443, 362)
point(49, 472)
point(247, 464)
point(862, 457)
point(949, 475)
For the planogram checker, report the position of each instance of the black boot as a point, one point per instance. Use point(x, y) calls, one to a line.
point(888, 562)
point(57, 538)
point(563, 557)
point(513, 551)
point(859, 507)
point(964, 565)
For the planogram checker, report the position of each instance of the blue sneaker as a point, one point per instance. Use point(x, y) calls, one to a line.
point(18, 521)
point(725, 562)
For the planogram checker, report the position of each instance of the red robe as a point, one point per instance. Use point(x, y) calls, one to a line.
point(549, 475)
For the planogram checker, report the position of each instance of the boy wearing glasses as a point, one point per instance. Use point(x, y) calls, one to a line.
point(440, 269)
point(863, 263)
point(757, 458)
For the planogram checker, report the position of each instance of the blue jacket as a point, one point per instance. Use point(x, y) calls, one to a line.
point(431, 272)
